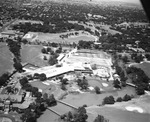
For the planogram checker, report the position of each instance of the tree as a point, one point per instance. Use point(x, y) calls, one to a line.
point(18, 66)
point(119, 99)
point(126, 98)
point(80, 115)
point(28, 116)
point(44, 51)
point(45, 96)
point(51, 100)
point(125, 59)
point(36, 76)
point(42, 77)
point(9, 89)
point(100, 118)
point(64, 81)
point(97, 90)
point(82, 83)
point(4, 79)
point(23, 81)
point(140, 90)
point(63, 87)
point(59, 50)
point(45, 58)
point(147, 56)
point(116, 83)
point(52, 60)
point(108, 100)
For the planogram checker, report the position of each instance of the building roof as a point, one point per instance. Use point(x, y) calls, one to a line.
point(17, 98)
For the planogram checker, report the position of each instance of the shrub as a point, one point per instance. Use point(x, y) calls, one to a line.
point(97, 90)
point(108, 100)
point(126, 98)
point(119, 99)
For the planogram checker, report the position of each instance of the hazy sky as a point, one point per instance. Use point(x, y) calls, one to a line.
point(130, 1)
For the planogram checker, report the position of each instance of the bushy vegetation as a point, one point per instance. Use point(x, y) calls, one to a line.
point(97, 90)
point(4, 79)
point(83, 83)
point(36, 108)
point(101, 118)
point(139, 78)
point(80, 115)
point(108, 100)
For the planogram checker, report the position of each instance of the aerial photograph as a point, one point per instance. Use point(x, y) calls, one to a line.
point(74, 61)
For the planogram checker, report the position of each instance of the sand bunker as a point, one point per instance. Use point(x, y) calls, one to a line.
point(105, 84)
point(140, 110)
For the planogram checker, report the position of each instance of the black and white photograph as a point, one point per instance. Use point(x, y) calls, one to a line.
point(74, 61)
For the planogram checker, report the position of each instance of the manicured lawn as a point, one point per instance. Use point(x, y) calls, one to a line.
point(96, 99)
point(117, 115)
point(39, 85)
point(32, 54)
point(48, 116)
point(48, 37)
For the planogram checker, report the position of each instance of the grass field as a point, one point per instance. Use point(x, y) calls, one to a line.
point(117, 115)
point(96, 99)
point(32, 54)
point(6, 62)
point(45, 88)
point(48, 37)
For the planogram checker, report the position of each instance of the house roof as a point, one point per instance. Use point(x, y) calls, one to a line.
point(17, 98)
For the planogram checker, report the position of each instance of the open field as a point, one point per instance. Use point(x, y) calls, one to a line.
point(45, 88)
point(117, 115)
point(48, 116)
point(48, 37)
point(118, 112)
point(6, 62)
point(32, 54)
point(96, 99)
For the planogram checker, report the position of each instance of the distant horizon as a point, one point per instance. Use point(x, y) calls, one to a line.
point(130, 1)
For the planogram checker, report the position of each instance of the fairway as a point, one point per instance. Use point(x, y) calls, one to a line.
point(117, 115)
point(32, 54)
point(96, 99)
point(48, 37)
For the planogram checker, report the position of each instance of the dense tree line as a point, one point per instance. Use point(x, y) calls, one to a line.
point(4, 79)
point(139, 78)
point(46, 28)
point(14, 47)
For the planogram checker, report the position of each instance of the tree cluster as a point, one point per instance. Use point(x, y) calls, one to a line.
point(80, 115)
point(137, 58)
point(85, 44)
point(139, 78)
point(53, 59)
point(14, 47)
point(4, 79)
point(101, 118)
point(83, 83)
point(41, 76)
point(125, 98)
point(108, 100)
